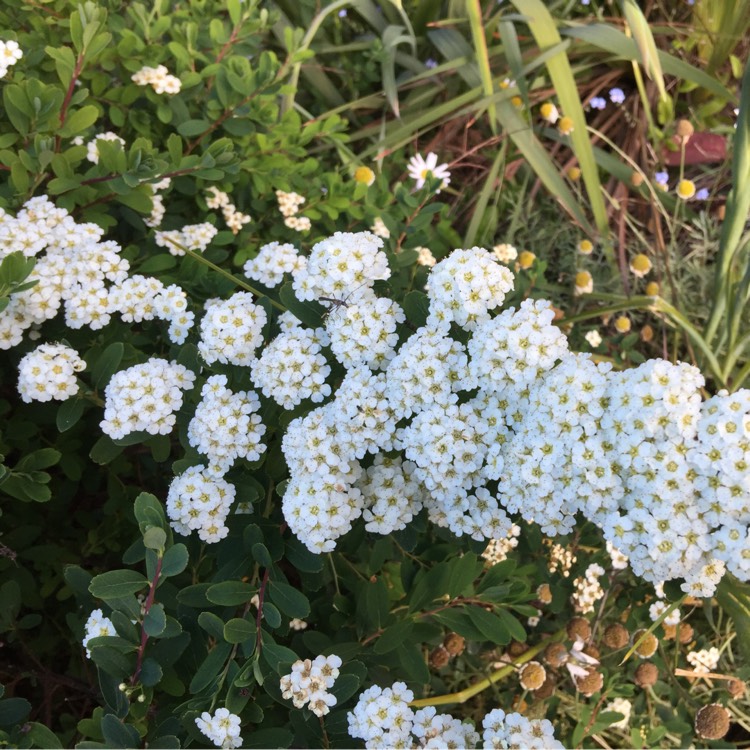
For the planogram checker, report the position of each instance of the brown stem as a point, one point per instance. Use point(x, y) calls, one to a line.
point(69, 95)
point(146, 609)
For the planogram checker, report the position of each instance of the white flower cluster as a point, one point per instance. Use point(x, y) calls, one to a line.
point(619, 561)
point(621, 706)
point(139, 298)
point(289, 205)
point(200, 501)
point(309, 682)
point(92, 147)
point(658, 608)
point(498, 550)
point(705, 660)
point(10, 54)
point(226, 426)
point(390, 494)
point(158, 78)
point(588, 590)
point(292, 367)
point(49, 372)
point(562, 558)
point(272, 262)
point(379, 228)
point(383, 719)
point(157, 203)
point(96, 626)
point(232, 329)
point(145, 397)
point(223, 728)
point(235, 219)
point(196, 237)
point(74, 272)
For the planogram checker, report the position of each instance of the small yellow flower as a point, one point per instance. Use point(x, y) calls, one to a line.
point(506, 83)
point(584, 283)
point(652, 289)
point(574, 174)
point(526, 260)
point(640, 265)
point(622, 324)
point(585, 247)
point(548, 112)
point(685, 189)
point(517, 102)
point(364, 175)
point(565, 126)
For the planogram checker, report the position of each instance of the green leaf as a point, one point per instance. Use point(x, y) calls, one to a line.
point(393, 637)
point(155, 621)
point(411, 660)
point(238, 630)
point(230, 593)
point(489, 625)
point(116, 583)
point(104, 451)
point(175, 560)
point(309, 313)
point(261, 555)
point(155, 538)
point(119, 735)
point(210, 667)
point(191, 128)
point(514, 627)
point(106, 365)
point(69, 413)
point(463, 571)
point(212, 624)
point(279, 658)
point(416, 308)
point(13, 710)
point(41, 736)
point(151, 673)
point(288, 599)
point(76, 122)
point(264, 738)
point(271, 615)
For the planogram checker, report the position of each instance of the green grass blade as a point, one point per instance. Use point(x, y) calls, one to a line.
point(737, 209)
point(476, 24)
point(488, 190)
point(644, 39)
point(544, 29)
point(609, 39)
point(512, 49)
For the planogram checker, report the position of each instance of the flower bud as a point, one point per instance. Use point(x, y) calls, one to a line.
point(646, 674)
point(439, 657)
point(590, 683)
point(578, 627)
point(685, 129)
point(555, 655)
point(454, 644)
point(616, 636)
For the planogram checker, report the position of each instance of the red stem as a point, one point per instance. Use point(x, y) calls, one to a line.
point(146, 609)
point(71, 88)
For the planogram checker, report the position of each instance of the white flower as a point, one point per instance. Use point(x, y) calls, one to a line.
point(49, 372)
point(96, 626)
point(593, 338)
point(223, 728)
point(420, 169)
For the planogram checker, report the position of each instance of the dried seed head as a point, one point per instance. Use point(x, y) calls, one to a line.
point(579, 627)
point(516, 648)
point(647, 647)
point(531, 676)
point(555, 655)
point(647, 333)
point(712, 722)
point(544, 593)
point(686, 632)
point(439, 657)
point(616, 636)
point(454, 644)
point(736, 688)
point(547, 688)
point(592, 650)
point(685, 129)
point(636, 179)
point(590, 683)
point(646, 674)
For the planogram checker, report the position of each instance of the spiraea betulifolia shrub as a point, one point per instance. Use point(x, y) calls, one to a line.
point(272, 492)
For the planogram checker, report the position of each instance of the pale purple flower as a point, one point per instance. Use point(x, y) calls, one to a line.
point(662, 178)
point(342, 13)
point(430, 63)
point(616, 96)
point(598, 102)
point(702, 194)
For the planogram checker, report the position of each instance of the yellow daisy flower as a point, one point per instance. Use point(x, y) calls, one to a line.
point(364, 175)
point(526, 260)
point(640, 265)
point(685, 189)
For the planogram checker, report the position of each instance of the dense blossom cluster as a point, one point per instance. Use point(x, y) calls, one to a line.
point(289, 205)
point(92, 147)
point(159, 78)
point(232, 329)
point(49, 372)
point(226, 426)
point(200, 501)
point(145, 398)
point(309, 682)
point(223, 728)
point(234, 218)
point(78, 271)
point(383, 719)
point(97, 626)
point(272, 262)
point(196, 237)
point(588, 590)
point(10, 54)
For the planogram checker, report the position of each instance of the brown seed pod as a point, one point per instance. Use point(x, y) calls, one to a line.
point(454, 644)
point(647, 333)
point(547, 688)
point(736, 688)
point(685, 129)
point(686, 632)
point(555, 655)
point(516, 648)
point(636, 179)
point(531, 675)
point(579, 627)
point(712, 722)
point(544, 593)
point(439, 657)
point(646, 674)
point(592, 650)
point(647, 647)
point(615, 636)
point(590, 683)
